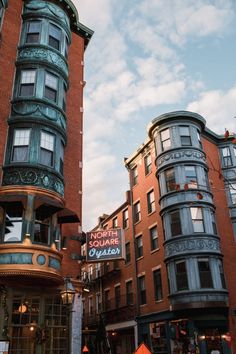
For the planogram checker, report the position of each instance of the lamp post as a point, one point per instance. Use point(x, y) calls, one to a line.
point(67, 296)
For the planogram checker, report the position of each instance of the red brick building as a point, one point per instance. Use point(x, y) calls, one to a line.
point(176, 289)
point(42, 46)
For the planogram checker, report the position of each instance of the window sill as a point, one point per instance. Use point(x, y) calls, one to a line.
point(139, 258)
point(148, 174)
point(155, 250)
point(152, 212)
point(158, 301)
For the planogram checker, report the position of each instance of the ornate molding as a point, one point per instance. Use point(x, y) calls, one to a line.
point(48, 8)
point(43, 54)
point(199, 244)
point(29, 108)
point(181, 154)
point(34, 177)
point(16, 258)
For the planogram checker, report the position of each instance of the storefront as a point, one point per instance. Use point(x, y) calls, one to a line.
point(205, 334)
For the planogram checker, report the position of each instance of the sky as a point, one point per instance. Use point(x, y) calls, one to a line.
point(146, 58)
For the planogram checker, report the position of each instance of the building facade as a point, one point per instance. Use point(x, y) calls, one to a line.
point(175, 290)
point(42, 47)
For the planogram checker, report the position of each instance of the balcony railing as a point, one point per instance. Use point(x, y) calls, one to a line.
point(117, 309)
point(106, 270)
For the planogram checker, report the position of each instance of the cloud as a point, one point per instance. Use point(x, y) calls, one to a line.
point(134, 65)
point(178, 20)
point(218, 107)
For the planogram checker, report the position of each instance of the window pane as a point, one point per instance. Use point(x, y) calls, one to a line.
point(226, 156)
point(51, 81)
point(184, 131)
point(21, 137)
point(135, 175)
point(185, 136)
point(136, 212)
point(62, 148)
point(27, 82)
point(20, 154)
point(170, 179)
point(165, 134)
point(139, 243)
point(125, 219)
point(33, 32)
point(47, 141)
point(205, 274)
point(197, 219)
point(153, 238)
point(142, 290)
point(148, 164)
point(233, 192)
point(129, 293)
point(222, 277)
point(175, 223)
point(20, 145)
point(28, 76)
point(41, 232)
point(181, 276)
point(54, 31)
point(165, 139)
point(13, 228)
point(191, 176)
point(151, 202)
point(47, 148)
point(54, 36)
point(157, 285)
point(127, 253)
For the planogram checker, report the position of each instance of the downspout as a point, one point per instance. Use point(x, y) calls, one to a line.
point(137, 335)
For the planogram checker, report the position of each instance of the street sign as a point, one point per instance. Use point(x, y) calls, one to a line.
point(142, 349)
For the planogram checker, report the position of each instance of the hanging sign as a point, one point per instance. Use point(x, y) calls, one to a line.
point(105, 245)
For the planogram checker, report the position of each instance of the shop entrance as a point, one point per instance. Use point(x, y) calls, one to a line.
point(39, 325)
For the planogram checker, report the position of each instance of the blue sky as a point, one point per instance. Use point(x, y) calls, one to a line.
point(148, 57)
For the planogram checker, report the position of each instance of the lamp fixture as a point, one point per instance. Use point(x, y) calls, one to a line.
point(68, 292)
point(22, 308)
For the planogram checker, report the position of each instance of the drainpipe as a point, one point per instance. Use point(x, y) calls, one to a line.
point(136, 329)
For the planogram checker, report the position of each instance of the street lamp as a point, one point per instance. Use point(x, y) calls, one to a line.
point(67, 293)
point(67, 296)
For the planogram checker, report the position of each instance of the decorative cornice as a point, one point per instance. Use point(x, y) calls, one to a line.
point(173, 117)
point(179, 155)
point(48, 8)
point(39, 177)
point(45, 55)
point(191, 245)
point(31, 109)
